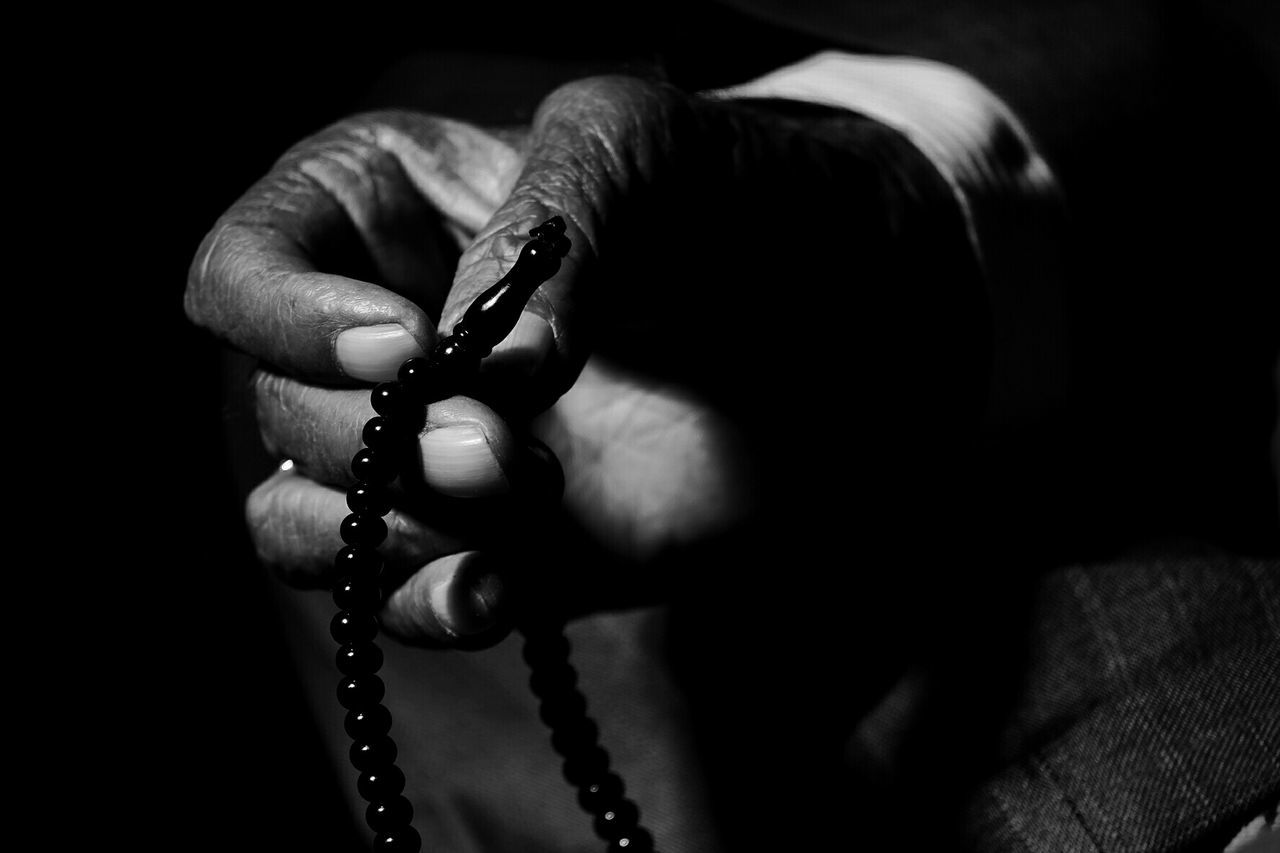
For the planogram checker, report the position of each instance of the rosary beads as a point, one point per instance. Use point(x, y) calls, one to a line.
point(388, 440)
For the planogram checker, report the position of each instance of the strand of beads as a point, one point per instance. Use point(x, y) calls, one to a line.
point(389, 439)
point(358, 595)
point(574, 736)
point(388, 443)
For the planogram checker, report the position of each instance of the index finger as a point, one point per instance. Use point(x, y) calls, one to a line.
point(370, 198)
point(594, 142)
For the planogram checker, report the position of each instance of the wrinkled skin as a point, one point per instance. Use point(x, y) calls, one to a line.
point(698, 325)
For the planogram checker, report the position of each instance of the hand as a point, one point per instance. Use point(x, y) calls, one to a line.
point(685, 401)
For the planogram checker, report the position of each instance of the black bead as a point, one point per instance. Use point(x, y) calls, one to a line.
point(359, 659)
point(403, 840)
point(380, 433)
point(616, 821)
point(360, 691)
point(370, 467)
point(358, 561)
point(367, 530)
point(636, 841)
point(382, 784)
point(551, 678)
point(368, 499)
point(598, 795)
point(539, 649)
point(370, 755)
point(386, 815)
point(367, 723)
point(562, 709)
point(416, 376)
point(357, 594)
point(586, 766)
point(453, 356)
point(349, 626)
point(581, 735)
point(389, 399)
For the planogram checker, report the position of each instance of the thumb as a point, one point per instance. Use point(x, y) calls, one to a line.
point(580, 166)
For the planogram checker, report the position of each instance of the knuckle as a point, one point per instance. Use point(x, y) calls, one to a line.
point(602, 94)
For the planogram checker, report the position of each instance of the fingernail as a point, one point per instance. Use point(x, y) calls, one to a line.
point(526, 348)
point(467, 600)
point(375, 353)
point(458, 461)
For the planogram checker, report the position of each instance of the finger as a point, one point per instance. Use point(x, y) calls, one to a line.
point(464, 449)
point(591, 144)
point(332, 266)
point(459, 599)
point(294, 524)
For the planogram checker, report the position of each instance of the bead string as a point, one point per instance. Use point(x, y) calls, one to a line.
point(388, 440)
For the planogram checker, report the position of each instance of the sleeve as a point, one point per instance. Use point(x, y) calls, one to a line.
point(1006, 191)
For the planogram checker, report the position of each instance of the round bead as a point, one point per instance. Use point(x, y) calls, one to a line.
point(360, 691)
point(579, 735)
point(368, 499)
point(560, 710)
point(357, 594)
point(370, 755)
point(367, 530)
point(548, 679)
point(596, 796)
point(587, 766)
point(402, 840)
point(415, 376)
point(370, 467)
point(636, 841)
point(453, 355)
point(380, 433)
point(381, 784)
point(359, 659)
point(367, 723)
point(388, 399)
point(351, 627)
point(386, 815)
point(543, 649)
point(358, 561)
point(615, 821)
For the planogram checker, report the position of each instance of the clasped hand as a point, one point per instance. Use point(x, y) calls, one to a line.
point(675, 372)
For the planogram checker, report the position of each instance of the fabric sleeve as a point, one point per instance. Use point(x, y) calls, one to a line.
point(1006, 191)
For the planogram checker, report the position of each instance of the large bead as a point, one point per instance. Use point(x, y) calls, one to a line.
point(385, 815)
point(360, 691)
point(389, 399)
point(402, 840)
point(617, 820)
point(348, 626)
point(372, 754)
point(599, 795)
point(368, 530)
point(373, 466)
point(367, 723)
point(636, 841)
point(359, 659)
point(382, 784)
point(358, 561)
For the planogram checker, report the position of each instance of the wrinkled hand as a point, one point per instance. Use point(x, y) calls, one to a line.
point(680, 365)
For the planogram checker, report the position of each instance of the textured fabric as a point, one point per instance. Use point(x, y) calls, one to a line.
point(1148, 717)
point(1009, 197)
